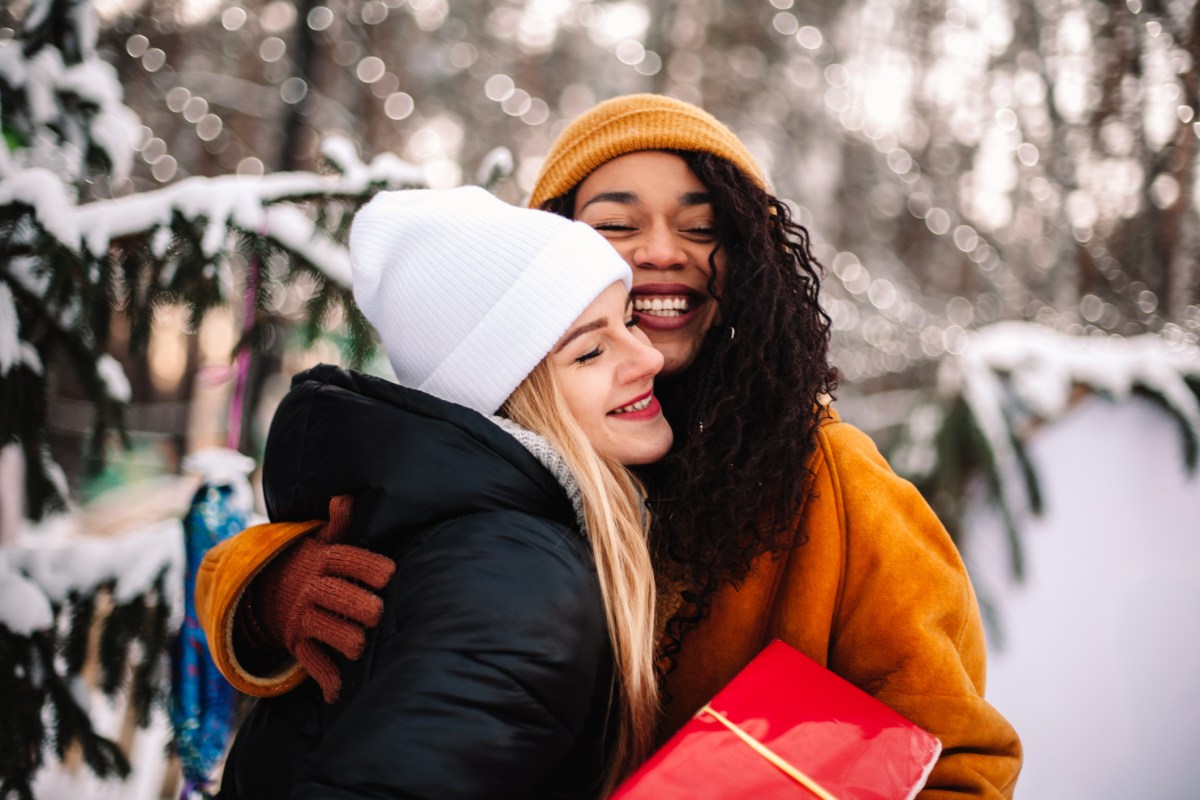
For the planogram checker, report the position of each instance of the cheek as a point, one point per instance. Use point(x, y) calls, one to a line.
point(582, 397)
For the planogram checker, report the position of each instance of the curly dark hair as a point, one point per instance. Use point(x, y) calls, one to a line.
point(745, 413)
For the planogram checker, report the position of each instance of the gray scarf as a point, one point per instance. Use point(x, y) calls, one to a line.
point(551, 459)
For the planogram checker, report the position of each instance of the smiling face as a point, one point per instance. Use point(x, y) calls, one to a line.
point(660, 218)
point(605, 369)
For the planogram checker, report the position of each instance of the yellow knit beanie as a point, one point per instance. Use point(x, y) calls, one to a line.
point(631, 123)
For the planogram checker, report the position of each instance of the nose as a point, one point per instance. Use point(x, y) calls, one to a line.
point(642, 361)
point(658, 248)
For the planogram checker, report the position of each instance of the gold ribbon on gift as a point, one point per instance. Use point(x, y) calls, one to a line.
point(769, 754)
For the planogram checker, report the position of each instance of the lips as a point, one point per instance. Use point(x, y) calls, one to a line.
point(666, 306)
point(644, 407)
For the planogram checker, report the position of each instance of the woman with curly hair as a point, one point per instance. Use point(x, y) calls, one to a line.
point(772, 517)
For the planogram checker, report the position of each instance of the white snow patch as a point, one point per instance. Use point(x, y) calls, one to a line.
point(46, 80)
point(54, 473)
point(46, 566)
point(24, 608)
point(10, 338)
point(27, 271)
point(342, 154)
point(110, 132)
point(12, 63)
point(115, 381)
point(94, 81)
point(1045, 365)
point(37, 13)
point(395, 172)
point(498, 161)
point(30, 356)
point(160, 242)
point(218, 464)
point(43, 72)
point(293, 229)
point(50, 199)
point(222, 466)
point(224, 201)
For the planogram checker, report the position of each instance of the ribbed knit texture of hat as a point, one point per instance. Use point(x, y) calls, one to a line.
point(630, 123)
point(469, 293)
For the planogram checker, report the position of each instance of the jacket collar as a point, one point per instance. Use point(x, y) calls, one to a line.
point(410, 459)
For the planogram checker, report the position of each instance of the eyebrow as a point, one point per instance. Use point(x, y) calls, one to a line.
point(594, 325)
point(629, 198)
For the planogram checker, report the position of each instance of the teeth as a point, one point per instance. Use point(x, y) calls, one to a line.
point(638, 406)
point(662, 305)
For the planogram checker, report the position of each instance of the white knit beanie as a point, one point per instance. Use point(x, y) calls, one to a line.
point(469, 293)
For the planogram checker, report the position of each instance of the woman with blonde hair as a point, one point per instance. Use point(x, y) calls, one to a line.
point(515, 653)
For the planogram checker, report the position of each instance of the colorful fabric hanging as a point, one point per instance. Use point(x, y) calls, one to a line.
point(202, 701)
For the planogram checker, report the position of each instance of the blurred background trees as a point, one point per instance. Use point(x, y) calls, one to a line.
point(959, 162)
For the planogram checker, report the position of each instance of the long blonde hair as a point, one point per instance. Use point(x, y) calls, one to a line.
point(617, 526)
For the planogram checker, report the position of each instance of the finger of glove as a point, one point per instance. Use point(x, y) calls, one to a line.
point(343, 635)
point(359, 564)
point(320, 667)
point(338, 526)
point(346, 599)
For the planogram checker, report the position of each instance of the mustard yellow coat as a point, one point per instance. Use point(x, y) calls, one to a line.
point(876, 592)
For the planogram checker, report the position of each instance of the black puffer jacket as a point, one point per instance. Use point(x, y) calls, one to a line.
point(490, 674)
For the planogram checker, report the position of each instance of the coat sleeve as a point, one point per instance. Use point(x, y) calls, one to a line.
point(483, 672)
point(221, 581)
point(907, 626)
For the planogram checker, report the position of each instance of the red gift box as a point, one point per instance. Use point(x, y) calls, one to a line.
point(786, 727)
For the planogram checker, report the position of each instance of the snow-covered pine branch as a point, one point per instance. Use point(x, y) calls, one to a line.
point(1014, 376)
point(218, 207)
point(68, 265)
point(1044, 366)
point(495, 166)
point(62, 102)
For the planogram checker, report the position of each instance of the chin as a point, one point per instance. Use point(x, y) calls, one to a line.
point(679, 348)
point(649, 455)
point(676, 360)
point(641, 460)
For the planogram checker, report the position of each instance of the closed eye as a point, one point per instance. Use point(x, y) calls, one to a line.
point(586, 357)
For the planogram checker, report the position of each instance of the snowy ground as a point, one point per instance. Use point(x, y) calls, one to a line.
point(1100, 669)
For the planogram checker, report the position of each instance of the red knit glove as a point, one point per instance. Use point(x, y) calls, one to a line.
point(312, 597)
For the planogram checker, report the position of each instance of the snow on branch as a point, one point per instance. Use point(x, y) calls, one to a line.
point(49, 88)
point(1013, 376)
point(225, 204)
point(295, 231)
point(45, 568)
point(1043, 366)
